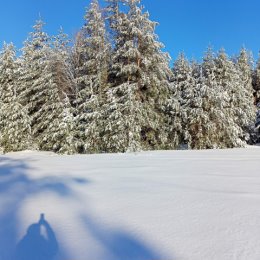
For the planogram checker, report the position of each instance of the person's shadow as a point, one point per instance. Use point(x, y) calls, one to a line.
point(39, 243)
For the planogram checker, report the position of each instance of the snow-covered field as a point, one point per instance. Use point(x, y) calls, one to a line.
point(190, 205)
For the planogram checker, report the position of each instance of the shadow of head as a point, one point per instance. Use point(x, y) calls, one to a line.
point(34, 230)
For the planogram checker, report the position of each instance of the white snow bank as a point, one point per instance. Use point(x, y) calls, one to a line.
point(193, 205)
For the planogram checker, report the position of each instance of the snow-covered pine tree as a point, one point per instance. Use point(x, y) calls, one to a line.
point(245, 64)
point(246, 119)
point(122, 111)
point(140, 89)
point(155, 79)
point(91, 78)
point(256, 86)
point(61, 67)
point(203, 106)
point(256, 82)
point(221, 127)
point(61, 64)
point(236, 105)
point(112, 18)
point(184, 83)
point(15, 131)
point(207, 124)
point(257, 125)
point(48, 108)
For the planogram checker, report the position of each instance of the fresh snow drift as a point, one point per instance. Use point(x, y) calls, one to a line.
point(187, 205)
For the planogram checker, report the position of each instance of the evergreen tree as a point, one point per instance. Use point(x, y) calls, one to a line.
point(40, 94)
point(123, 112)
point(247, 113)
point(91, 78)
point(203, 109)
point(184, 82)
point(223, 130)
point(139, 85)
point(208, 125)
point(236, 104)
point(256, 86)
point(256, 82)
point(15, 131)
point(113, 14)
point(61, 64)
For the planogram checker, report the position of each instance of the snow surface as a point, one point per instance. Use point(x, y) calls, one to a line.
point(192, 205)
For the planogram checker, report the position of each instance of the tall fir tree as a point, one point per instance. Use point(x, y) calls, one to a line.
point(208, 126)
point(91, 78)
point(15, 131)
point(256, 82)
point(244, 64)
point(61, 64)
point(184, 82)
point(223, 130)
point(139, 85)
point(51, 129)
point(238, 105)
point(203, 106)
point(256, 86)
point(112, 19)
point(122, 111)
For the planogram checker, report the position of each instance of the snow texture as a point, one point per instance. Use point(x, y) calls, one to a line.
point(187, 205)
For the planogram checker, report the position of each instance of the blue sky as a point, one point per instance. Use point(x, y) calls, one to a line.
point(185, 25)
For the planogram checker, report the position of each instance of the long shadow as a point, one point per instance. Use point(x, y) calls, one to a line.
point(120, 245)
point(15, 187)
point(11, 171)
point(39, 243)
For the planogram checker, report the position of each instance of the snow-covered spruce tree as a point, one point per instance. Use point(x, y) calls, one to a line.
point(236, 105)
point(222, 128)
point(203, 107)
point(155, 77)
point(48, 108)
point(61, 64)
point(61, 67)
point(256, 82)
point(15, 131)
point(184, 83)
point(91, 78)
point(112, 18)
point(122, 111)
point(139, 85)
point(256, 86)
point(208, 126)
point(246, 119)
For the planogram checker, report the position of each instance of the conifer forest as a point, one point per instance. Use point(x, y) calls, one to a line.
point(111, 89)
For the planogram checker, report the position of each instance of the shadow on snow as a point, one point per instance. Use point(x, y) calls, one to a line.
point(15, 187)
point(118, 244)
point(40, 241)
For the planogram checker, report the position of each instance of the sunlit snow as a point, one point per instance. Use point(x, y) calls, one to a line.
point(187, 205)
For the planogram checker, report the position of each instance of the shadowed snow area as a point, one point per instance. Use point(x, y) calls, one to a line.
point(169, 205)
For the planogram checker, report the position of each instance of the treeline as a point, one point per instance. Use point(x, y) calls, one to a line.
point(111, 89)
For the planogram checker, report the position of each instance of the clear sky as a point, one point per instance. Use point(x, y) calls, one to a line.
point(185, 25)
